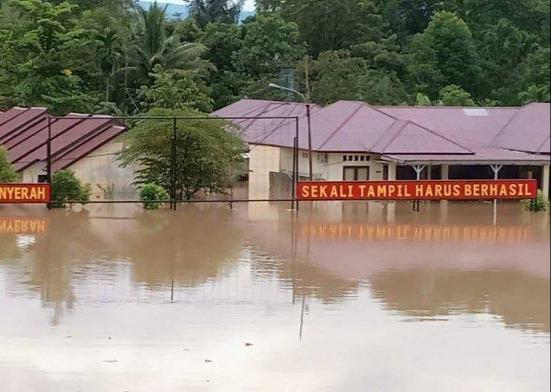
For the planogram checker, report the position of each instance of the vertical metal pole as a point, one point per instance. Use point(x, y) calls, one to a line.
point(496, 169)
point(173, 171)
point(49, 155)
point(309, 142)
point(297, 161)
point(293, 186)
point(418, 169)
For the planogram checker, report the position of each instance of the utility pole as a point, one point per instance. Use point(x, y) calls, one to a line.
point(305, 99)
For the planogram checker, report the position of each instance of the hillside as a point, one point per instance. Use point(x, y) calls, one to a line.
point(180, 11)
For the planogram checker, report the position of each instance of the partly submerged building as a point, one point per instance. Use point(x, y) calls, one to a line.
point(88, 146)
point(356, 141)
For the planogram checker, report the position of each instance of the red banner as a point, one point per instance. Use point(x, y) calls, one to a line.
point(417, 190)
point(24, 193)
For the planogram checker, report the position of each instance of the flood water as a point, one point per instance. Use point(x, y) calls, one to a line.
point(342, 297)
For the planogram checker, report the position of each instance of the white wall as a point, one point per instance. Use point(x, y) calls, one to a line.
point(101, 168)
point(333, 169)
point(30, 174)
point(262, 161)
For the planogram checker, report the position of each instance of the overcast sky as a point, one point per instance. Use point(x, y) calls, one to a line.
point(249, 4)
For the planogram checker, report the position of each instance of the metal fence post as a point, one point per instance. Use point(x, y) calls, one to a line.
point(310, 164)
point(293, 177)
point(173, 170)
point(49, 157)
point(297, 175)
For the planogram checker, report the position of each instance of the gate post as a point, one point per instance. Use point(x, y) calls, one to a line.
point(418, 169)
point(173, 170)
point(495, 169)
point(49, 156)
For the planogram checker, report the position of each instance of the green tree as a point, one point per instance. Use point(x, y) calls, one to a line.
point(335, 77)
point(36, 40)
point(207, 156)
point(331, 25)
point(210, 11)
point(152, 45)
point(67, 189)
point(443, 54)
point(270, 45)
point(170, 91)
point(503, 50)
point(222, 41)
point(453, 95)
point(422, 100)
point(7, 172)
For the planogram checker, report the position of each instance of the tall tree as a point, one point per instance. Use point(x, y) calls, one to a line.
point(37, 39)
point(330, 25)
point(7, 172)
point(270, 46)
point(154, 46)
point(444, 54)
point(207, 156)
point(210, 11)
point(170, 91)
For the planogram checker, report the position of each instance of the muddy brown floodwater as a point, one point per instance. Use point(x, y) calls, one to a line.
point(343, 297)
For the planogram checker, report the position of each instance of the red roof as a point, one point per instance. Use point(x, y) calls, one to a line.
point(24, 133)
point(348, 126)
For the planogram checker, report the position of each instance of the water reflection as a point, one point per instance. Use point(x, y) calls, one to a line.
point(206, 275)
point(470, 267)
point(519, 299)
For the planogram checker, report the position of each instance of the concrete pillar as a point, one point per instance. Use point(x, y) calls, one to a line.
point(444, 175)
point(392, 172)
point(445, 172)
point(545, 182)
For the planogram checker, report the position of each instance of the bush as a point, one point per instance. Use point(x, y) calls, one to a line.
point(539, 204)
point(152, 196)
point(67, 189)
point(7, 172)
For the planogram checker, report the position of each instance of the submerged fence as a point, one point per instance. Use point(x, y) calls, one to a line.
point(94, 148)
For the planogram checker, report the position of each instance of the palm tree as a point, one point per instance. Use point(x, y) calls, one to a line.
point(109, 59)
point(208, 11)
point(152, 45)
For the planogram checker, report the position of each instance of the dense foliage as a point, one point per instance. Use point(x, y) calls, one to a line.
point(207, 158)
point(152, 196)
point(112, 56)
point(7, 172)
point(67, 189)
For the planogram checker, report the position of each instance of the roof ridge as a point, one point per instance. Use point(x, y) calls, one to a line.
point(361, 105)
point(505, 126)
point(426, 129)
point(542, 144)
point(406, 122)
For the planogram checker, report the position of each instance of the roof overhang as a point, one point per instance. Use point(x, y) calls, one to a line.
point(464, 162)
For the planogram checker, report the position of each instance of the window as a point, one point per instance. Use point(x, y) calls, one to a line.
point(356, 173)
point(42, 178)
point(385, 172)
point(344, 158)
point(305, 155)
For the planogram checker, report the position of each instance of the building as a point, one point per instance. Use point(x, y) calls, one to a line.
point(88, 146)
point(356, 141)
